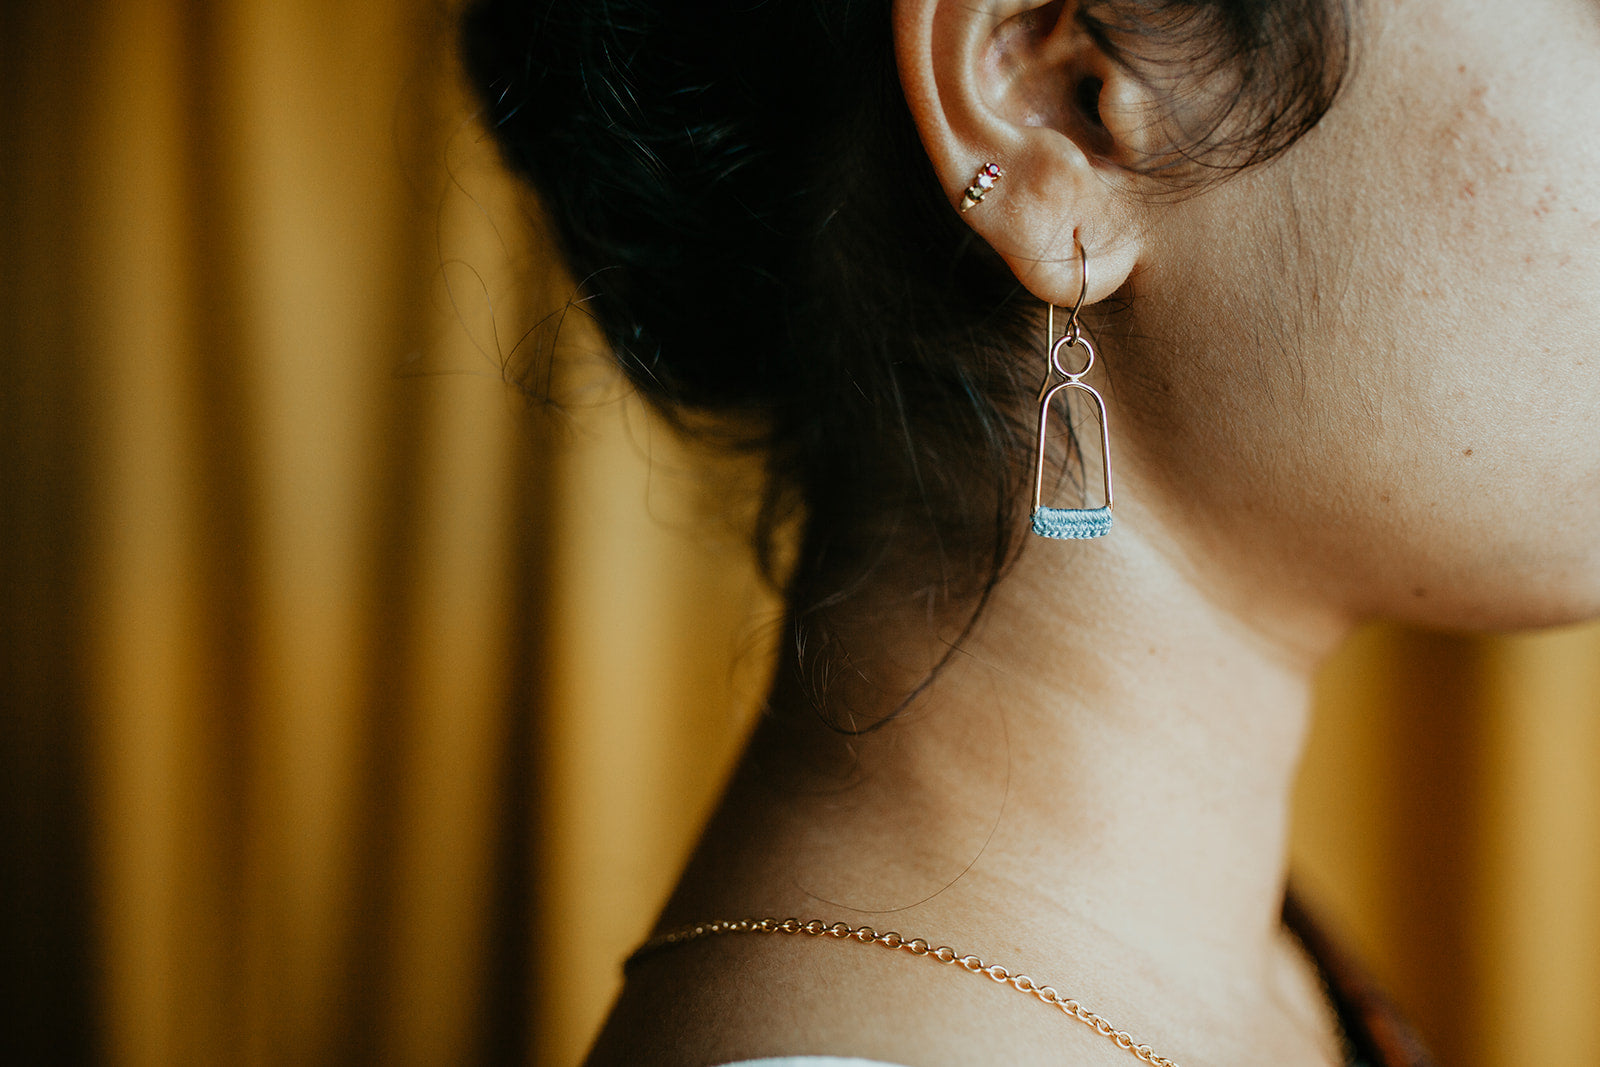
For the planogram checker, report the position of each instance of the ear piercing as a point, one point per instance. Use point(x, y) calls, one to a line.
point(987, 176)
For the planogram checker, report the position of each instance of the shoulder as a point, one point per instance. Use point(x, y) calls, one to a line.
point(787, 1003)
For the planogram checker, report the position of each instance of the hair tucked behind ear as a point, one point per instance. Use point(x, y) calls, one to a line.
point(762, 236)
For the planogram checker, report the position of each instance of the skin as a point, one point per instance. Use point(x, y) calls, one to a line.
point(1358, 382)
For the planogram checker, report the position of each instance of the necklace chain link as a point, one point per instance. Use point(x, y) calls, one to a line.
point(866, 935)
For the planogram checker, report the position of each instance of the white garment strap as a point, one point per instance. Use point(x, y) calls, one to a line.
point(810, 1061)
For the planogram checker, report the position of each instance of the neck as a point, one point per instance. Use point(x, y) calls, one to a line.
point(1088, 779)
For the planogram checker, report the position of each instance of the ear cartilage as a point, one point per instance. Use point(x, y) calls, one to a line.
point(987, 176)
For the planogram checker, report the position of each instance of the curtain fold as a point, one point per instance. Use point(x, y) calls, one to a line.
point(360, 709)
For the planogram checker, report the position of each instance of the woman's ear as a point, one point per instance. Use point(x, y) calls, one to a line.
point(1022, 84)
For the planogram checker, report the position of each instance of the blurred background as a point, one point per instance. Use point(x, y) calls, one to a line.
point(355, 710)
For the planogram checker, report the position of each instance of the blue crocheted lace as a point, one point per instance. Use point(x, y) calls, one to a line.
point(1072, 523)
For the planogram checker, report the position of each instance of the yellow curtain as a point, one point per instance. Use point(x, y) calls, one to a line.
point(357, 712)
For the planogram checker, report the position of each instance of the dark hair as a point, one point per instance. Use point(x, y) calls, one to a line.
point(740, 190)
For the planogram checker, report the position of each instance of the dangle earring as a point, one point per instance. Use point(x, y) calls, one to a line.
point(1075, 523)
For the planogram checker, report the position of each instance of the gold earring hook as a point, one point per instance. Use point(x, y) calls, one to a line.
point(1073, 330)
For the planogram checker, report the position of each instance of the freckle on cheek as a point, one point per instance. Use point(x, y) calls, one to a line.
point(1466, 451)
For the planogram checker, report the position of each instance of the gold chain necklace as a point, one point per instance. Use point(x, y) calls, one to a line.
point(944, 954)
point(917, 947)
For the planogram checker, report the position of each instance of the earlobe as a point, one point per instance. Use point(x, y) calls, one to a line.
point(1021, 85)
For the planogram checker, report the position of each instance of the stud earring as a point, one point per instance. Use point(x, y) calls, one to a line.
point(988, 174)
point(1074, 523)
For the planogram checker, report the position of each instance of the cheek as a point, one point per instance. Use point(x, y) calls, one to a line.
point(1382, 368)
point(1480, 302)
